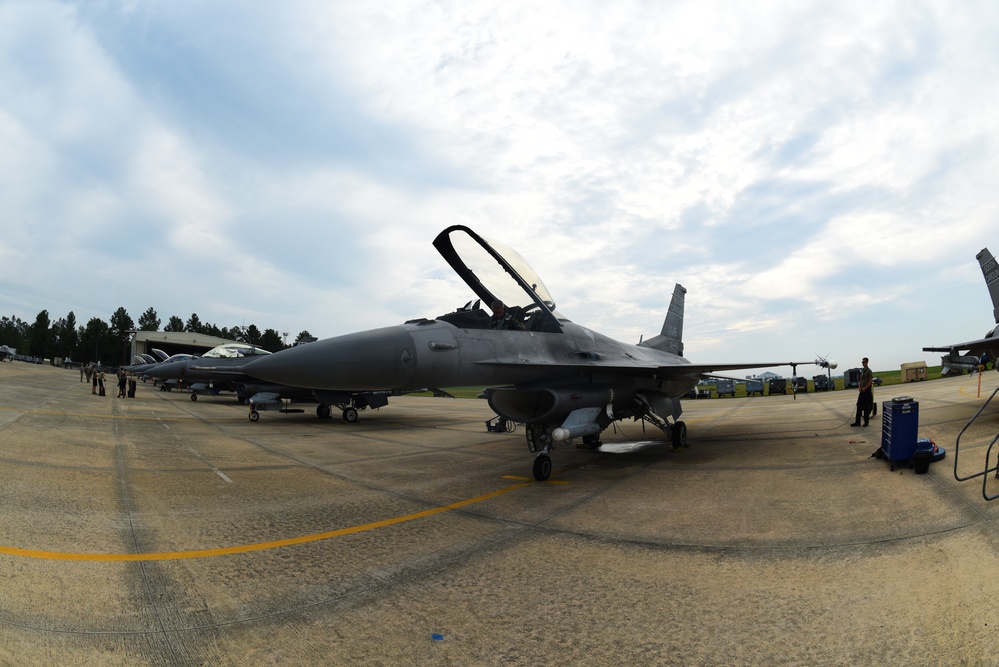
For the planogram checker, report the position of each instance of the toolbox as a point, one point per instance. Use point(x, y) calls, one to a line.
point(899, 427)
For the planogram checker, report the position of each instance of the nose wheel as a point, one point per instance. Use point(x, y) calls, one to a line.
point(542, 467)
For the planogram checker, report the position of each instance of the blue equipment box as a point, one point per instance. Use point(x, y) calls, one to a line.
point(899, 428)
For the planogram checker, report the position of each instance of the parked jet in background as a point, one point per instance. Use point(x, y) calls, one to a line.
point(954, 362)
point(188, 370)
point(222, 369)
point(560, 379)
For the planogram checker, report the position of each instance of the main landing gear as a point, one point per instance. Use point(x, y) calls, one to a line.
point(325, 411)
point(540, 441)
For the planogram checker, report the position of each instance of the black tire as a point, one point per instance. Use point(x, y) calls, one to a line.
point(254, 416)
point(194, 396)
point(679, 435)
point(323, 411)
point(350, 415)
point(542, 467)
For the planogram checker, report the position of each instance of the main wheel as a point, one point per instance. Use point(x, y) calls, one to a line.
point(254, 415)
point(542, 467)
point(194, 396)
point(679, 435)
point(350, 415)
point(323, 411)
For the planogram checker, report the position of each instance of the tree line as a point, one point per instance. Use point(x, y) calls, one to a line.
point(110, 342)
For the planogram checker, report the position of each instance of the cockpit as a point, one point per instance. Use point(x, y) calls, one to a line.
point(233, 351)
point(494, 272)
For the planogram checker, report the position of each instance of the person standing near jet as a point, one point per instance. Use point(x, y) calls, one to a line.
point(865, 399)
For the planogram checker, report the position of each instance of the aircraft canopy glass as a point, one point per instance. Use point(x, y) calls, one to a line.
point(233, 351)
point(496, 271)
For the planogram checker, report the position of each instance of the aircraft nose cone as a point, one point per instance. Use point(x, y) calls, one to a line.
point(376, 359)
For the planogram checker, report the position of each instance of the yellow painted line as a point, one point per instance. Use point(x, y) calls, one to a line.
point(974, 393)
point(259, 546)
point(547, 481)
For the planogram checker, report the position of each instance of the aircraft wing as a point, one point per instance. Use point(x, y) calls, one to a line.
point(974, 347)
point(639, 369)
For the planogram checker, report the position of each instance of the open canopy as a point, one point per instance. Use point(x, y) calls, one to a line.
point(495, 271)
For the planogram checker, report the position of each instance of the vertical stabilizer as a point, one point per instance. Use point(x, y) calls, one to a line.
point(990, 269)
point(671, 337)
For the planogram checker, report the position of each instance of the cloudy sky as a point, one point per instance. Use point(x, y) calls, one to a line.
point(818, 175)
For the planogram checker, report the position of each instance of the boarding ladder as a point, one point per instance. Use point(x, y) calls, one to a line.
point(988, 453)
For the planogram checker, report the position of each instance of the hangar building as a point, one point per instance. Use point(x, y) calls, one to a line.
point(174, 342)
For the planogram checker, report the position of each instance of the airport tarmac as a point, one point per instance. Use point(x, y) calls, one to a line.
point(161, 531)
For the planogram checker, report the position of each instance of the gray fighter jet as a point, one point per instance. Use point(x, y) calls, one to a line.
point(222, 369)
point(188, 368)
point(562, 380)
point(217, 371)
point(968, 355)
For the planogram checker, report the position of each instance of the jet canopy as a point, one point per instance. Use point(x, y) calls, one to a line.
point(494, 271)
point(233, 351)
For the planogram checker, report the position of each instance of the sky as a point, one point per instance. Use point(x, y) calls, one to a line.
point(819, 176)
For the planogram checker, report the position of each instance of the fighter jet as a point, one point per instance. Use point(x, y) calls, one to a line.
point(223, 369)
point(954, 362)
point(187, 368)
point(562, 380)
point(143, 363)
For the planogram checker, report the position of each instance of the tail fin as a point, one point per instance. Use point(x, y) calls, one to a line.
point(990, 269)
point(671, 338)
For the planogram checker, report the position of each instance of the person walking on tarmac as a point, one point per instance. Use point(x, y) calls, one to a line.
point(865, 399)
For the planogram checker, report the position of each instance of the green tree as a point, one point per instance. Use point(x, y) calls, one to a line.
point(95, 339)
point(40, 337)
point(69, 336)
point(122, 328)
point(66, 336)
point(14, 333)
point(194, 324)
point(148, 321)
point(305, 336)
point(174, 324)
point(253, 335)
point(271, 341)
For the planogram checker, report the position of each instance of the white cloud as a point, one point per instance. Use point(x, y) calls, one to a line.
point(783, 162)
